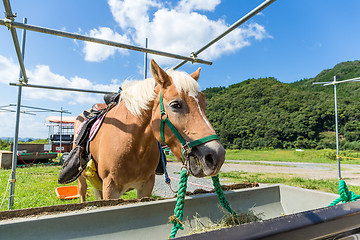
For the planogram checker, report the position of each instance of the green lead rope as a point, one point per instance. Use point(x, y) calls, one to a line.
point(345, 195)
point(220, 194)
point(176, 219)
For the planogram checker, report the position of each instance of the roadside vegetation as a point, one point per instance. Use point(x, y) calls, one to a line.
point(5, 144)
point(291, 155)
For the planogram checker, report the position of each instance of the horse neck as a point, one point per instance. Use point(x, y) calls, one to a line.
point(140, 125)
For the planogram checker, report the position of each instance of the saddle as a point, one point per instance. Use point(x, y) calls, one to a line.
point(79, 156)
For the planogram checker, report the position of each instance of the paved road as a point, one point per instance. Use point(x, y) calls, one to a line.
point(173, 168)
point(350, 172)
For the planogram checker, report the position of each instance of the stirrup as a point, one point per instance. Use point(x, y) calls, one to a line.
point(73, 166)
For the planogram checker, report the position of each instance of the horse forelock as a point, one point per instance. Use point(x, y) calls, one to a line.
point(184, 82)
point(138, 94)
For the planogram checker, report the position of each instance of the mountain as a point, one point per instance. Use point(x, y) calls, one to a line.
point(20, 139)
point(265, 113)
point(342, 71)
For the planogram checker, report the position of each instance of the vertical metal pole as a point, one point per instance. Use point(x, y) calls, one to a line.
point(337, 131)
point(17, 123)
point(145, 60)
point(61, 112)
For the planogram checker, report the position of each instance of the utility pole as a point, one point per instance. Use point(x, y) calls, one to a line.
point(334, 83)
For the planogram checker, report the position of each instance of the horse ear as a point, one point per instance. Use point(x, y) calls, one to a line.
point(195, 75)
point(160, 76)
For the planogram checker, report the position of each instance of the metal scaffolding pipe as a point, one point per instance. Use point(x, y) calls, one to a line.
point(42, 109)
point(231, 28)
point(17, 126)
point(60, 88)
point(13, 25)
point(10, 15)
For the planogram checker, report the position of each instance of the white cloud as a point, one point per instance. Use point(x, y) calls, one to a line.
point(95, 52)
point(190, 5)
point(33, 126)
point(42, 75)
point(9, 71)
point(181, 29)
point(130, 13)
point(30, 126)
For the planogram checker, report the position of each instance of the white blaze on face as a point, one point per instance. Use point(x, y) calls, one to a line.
point(201, 112)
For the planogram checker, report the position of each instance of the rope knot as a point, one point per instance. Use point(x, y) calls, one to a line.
point(176, 221)
point(345, 194)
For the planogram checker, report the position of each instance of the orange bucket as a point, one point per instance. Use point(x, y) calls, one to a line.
point(67, 192)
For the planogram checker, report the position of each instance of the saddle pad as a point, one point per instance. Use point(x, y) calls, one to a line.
point(95, 127)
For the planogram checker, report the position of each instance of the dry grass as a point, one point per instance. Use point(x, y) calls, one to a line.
point(228, 220)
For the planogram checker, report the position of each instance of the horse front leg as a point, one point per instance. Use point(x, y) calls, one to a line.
point(82, 187)
point(110, 191)
point(146, 188)
point(98, 194)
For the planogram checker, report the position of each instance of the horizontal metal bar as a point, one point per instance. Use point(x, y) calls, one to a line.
point(24, 112)
point(337, 82)
point(43, 109)
point(97, 40)
point(7, 110)
point(348, 80)
point(4, 106)
point(317, 83)
point(61, 88)
point(231, 28)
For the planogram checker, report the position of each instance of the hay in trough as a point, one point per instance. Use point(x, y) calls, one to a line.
point(228, 220)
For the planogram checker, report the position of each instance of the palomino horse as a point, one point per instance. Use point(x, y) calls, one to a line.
point(125, 148)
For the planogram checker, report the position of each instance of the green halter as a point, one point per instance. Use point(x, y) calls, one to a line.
point(186, 146)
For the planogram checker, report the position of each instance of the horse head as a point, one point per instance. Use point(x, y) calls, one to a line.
point(179, 121)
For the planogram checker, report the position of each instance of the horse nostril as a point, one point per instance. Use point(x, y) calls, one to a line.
point(209, 160)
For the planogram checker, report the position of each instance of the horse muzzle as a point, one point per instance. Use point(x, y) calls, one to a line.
point(206, 159)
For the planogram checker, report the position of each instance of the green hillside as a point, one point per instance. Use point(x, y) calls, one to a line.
point(342, 71)
point(265, 113)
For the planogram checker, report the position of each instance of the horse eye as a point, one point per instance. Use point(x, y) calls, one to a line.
point(175, 105)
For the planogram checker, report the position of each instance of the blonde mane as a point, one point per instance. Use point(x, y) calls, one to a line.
point(138, 94)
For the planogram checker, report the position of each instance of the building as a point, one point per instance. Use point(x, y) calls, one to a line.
point(60, 129)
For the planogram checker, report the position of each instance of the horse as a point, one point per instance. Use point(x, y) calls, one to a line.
point(125, 148)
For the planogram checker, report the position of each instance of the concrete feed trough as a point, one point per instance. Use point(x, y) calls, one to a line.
point(150, 219)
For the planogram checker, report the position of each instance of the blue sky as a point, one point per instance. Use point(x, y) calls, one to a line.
point(289, 40)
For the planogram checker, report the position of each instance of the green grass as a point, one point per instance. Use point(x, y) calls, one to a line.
point(325, 185)
point(287, 155)
point(35, 187)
